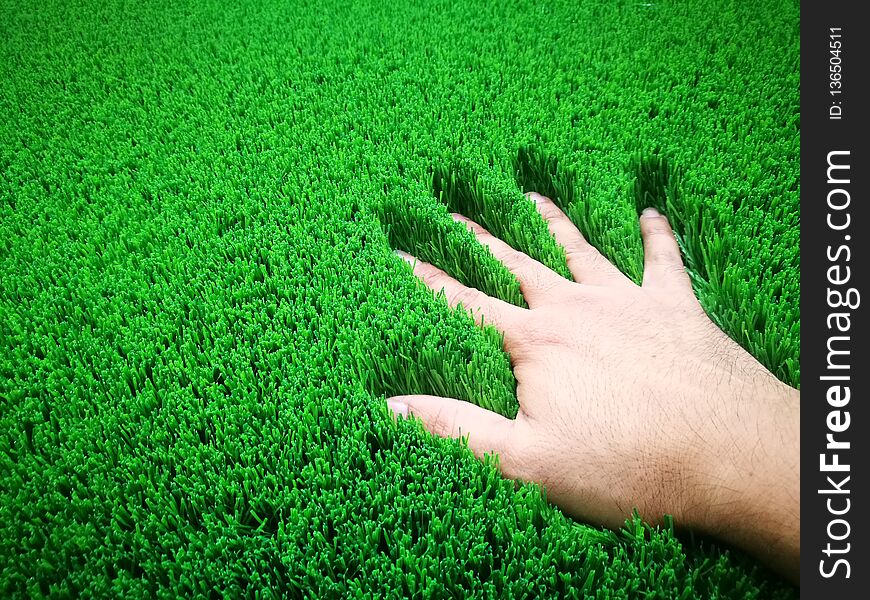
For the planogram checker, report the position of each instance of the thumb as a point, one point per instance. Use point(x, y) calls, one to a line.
point(487, 432)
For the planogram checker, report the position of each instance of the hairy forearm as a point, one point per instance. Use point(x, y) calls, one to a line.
point(749, 495)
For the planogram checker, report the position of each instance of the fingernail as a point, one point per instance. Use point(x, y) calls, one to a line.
point(400, 409)
point(535, 197)
point(458, 217)
point(404, 255)
point(649, 211)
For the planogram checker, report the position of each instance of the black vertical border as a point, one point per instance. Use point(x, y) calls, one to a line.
point(819, 136)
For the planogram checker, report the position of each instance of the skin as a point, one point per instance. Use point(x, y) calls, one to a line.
point(630, 397)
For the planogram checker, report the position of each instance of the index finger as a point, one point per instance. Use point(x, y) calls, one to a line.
point(484, 309)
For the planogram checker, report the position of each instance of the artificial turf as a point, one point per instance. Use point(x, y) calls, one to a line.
point(201, 314)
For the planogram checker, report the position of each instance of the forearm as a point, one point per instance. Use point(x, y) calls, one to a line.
point(750, 495)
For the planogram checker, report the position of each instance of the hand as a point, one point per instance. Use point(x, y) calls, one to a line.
point(630, 397)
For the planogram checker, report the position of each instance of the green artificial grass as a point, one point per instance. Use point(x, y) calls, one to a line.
point(201, 313)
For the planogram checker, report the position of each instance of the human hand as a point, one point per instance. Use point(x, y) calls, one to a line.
point(630, 397)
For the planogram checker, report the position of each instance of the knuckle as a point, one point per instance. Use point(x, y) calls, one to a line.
point(676, 268)
point(659, 226)
point(594, 258)
point(578, 248)
point(429, 274)
point(543, 285)
point(588, 256)
point(441, 422)
point(515, 261)
point(477, 229)
point(669, 256)
point(464, 296)
point(549, 210)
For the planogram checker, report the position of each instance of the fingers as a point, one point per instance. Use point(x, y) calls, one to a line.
point(487, 432)
point(537, 282)
point(585, 262)
point(484, 308)
point(663, 265)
